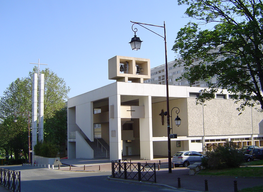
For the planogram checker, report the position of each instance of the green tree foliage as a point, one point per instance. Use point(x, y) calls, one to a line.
point(46, 149)
point(16, 103)
point(56, 129)
point(222, 157)
point(232, 51)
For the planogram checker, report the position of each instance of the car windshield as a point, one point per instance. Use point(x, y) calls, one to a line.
point(179, 154)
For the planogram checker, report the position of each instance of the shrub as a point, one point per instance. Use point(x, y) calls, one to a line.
point(46, 149)
point(222, 157)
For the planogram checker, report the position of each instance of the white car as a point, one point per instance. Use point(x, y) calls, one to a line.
point(186, 158)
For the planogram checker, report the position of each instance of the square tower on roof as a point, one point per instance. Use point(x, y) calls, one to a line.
point(129, 69)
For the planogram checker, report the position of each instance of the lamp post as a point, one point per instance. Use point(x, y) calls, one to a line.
point(136, 45)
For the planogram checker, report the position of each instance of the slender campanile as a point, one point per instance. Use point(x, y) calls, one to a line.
point(34, 110)
point(41, 108)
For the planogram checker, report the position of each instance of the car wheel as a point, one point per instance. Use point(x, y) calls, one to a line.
point(186, 163)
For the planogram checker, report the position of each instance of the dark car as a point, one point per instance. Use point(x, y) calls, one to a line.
point(248, 157)
point(257, 153)
point(249, 148)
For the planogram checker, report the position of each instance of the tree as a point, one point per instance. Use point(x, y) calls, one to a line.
point(16, 103)
point(232, 51)
point(224, 156)
point(56, 129)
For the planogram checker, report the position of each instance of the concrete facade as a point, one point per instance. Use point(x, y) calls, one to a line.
point(127, 112)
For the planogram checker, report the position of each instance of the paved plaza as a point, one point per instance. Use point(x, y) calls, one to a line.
point(165, 180)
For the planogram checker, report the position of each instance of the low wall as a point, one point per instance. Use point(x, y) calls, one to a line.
point(39, 160)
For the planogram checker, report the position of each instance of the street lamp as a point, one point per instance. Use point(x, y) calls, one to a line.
point(135, 41)
point(136, 45)
point(177, 120)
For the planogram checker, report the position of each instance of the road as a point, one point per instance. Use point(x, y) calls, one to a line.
point(48, 180)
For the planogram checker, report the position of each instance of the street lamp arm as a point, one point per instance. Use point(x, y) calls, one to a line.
point(177, 110)
point(142, 25)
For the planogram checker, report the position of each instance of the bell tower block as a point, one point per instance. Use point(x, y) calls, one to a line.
point(129, 69)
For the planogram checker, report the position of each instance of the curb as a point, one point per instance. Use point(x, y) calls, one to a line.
point(149, 183)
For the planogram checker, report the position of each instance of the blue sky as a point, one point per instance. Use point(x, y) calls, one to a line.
point(77, 37)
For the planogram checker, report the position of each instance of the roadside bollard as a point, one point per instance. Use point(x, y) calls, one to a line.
point(48, 166)
point(179, 182)
point(158, 167)
point(99, 167)
point(84, 168)
point(206, 185)
point(70, 167)
point(235, 186)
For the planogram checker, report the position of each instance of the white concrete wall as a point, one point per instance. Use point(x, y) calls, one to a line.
point(71, 150)
point(146, 144)
point(39, 160)
point(115, 128)
point(84, 119)
point(83, 150)
point(195, 147)
point(221, 118)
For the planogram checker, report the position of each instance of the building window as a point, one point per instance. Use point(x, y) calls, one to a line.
point(220, 96)
point(196, 95)
point(97, 110)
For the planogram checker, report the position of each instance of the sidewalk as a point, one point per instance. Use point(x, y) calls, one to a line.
point(163, 177)
point(2, 189)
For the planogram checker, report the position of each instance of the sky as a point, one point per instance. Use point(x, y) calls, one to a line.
point(76, 38)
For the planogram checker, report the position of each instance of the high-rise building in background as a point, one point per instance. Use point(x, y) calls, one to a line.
point(174, 72)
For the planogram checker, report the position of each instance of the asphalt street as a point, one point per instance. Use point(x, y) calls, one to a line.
point(48, 180)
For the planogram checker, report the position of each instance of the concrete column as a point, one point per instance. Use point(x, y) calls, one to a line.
point(41, 108)
point(115, 127)
point(146, 143)
point(34, 112)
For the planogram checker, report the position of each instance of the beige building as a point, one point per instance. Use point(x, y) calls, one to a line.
point(122, 118)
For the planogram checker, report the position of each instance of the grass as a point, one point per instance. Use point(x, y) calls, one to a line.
point(237, 172)
point(253, 189)
point(247, 170)
point(256, 162)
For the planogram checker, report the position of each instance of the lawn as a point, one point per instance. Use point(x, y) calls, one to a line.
point(250, 169)
point(237, 172)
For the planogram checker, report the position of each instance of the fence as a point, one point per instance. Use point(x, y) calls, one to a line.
point(10, 179)
point(134, 171)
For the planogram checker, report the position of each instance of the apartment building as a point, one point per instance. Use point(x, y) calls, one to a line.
point(174, 72)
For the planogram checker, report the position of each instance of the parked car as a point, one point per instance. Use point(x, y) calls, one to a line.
point(249, 148)
point(186, 158)
point(248, 157)
point(257, 153)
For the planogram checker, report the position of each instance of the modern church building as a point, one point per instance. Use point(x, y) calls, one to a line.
point(123, 118)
